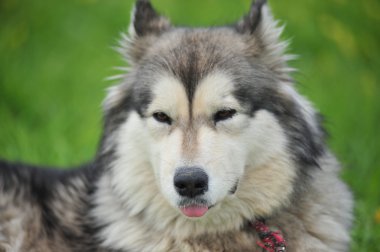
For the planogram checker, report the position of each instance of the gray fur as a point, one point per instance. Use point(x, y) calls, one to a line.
point(85, 210)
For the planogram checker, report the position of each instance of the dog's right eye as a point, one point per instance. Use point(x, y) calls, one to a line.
point(162, 118)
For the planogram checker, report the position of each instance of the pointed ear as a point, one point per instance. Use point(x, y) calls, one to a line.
point(146, 21)
point(262, 34)
point(251, 21)
point(146, 24)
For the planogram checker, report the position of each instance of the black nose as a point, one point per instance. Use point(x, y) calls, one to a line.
point(190, 181)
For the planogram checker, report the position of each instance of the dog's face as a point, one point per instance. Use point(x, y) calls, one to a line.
point(200, 146)
point(211, 111)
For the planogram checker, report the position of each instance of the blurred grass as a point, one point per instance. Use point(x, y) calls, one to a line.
point(54, 56)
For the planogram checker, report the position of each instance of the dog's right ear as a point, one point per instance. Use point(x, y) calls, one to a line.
point(146, 24)
point(146, 21)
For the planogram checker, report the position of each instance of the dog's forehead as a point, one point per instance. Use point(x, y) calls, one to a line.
point(214, 91)
point(205, 59)
point(192, 54)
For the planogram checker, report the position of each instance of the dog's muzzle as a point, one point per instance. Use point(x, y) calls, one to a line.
point(191, 183)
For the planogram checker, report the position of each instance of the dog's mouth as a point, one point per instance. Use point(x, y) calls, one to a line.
point(234, 188)
point(194, 208)
point(194, 211)
point(199, 206)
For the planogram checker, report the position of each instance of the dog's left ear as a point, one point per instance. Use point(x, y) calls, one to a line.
point(252, 20)
point(262, 35)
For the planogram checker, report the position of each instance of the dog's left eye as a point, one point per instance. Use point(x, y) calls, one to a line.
point(162, 118)
point(224, 115)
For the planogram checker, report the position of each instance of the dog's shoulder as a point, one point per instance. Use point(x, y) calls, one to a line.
point(38, 205)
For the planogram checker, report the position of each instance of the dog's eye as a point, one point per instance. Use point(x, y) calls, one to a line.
point(224, 115)
point(162, 118)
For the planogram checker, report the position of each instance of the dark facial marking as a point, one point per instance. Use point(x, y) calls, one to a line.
point(193, 59)
point(305, 147)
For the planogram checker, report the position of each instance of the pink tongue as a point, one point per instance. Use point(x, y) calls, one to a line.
point(194, 211)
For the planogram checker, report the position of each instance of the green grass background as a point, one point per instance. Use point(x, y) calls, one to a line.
point(55, 55)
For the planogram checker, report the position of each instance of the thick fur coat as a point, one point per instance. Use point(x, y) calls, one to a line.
point(204, 135)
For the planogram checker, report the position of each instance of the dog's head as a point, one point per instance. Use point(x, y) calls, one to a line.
point(212, 112)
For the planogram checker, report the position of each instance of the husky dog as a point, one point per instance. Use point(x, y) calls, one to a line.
point(204, 139)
